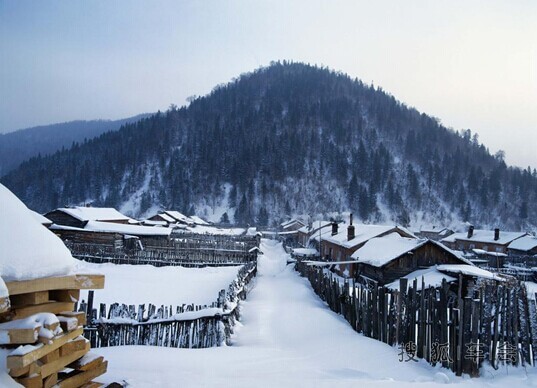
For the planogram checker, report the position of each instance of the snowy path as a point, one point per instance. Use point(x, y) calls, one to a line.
point(288, 338)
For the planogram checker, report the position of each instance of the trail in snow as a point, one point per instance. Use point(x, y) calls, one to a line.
point(288, 338)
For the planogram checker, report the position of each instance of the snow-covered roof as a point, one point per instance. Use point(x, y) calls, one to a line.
point(487, 253)
point(179, 217)
point(291, 222)
point(252, 231)
point(154, 223)
point(525, 243)
point(485, 236)
point(27, 249)
point(305, 252)
point(109, 227)
point(203, 229)
point(314, 226)
point(470, 270)
point(362, 233)
point(166, 217)
point(40, 218)
point(379, 251)
point(83, 213)
point(431, 276)
point(199, 221)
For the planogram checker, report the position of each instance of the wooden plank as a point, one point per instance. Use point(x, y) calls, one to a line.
point(88, 362)
point(68, 323)
point(91, 384)
point(33, 381)
point(19, 336)
point(72, 346)
point(50, 357)
point(50, 381)
point(28, 370)
point(62, 362)
point(38, 297)
point(80, 282)
point(65, 295)
point(51, 307)
point(80, 315)
point(20, 361)
point(77, 379)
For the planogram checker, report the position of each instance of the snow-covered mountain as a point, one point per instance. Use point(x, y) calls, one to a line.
point(284, 140)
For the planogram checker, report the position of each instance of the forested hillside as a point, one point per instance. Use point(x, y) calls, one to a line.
point(288, 139)
point(21, 145)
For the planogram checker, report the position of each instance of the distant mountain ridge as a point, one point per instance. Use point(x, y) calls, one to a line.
point(284, 140)
point(22, 144)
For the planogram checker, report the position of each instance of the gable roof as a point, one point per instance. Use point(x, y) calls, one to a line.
point(380, 251)
point(110, 227)
point(83, 213)
point(525, 243)
point(362, 234)
point(485, 236)
point(431, 276)
point(180, 217)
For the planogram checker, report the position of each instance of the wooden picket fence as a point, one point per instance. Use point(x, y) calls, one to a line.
point(186, 254)
point(489, 321)
point(186, 326)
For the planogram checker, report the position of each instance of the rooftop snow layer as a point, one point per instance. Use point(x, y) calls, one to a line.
point(485, 236)
point(470, 270)
point(431, 276)
point(525, 243)
point(84, 213)
point(199, 221)
point(110, 227)
point(28, 249)
point(179, 217)
point(314, 226)
point(379, 251)
point(362, 233)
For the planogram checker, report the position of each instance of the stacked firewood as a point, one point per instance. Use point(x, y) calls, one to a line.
point(45, 335)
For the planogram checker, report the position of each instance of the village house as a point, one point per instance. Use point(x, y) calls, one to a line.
point(306, 232)
point(392, 256)
point(338, 243)
point(434, 233)
point(174, 217)
point(486, 240)
point(291, 225)
point(524, 246)
point(79, 216)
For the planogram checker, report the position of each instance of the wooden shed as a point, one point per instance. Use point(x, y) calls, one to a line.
point(385, 259)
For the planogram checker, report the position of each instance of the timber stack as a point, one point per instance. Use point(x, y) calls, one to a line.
point(39, 324)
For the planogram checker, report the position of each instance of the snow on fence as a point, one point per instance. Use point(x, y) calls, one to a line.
point(497, 323)
point(189, 254)
point(190, 326)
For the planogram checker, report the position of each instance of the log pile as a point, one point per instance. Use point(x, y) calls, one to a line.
point(38, 323)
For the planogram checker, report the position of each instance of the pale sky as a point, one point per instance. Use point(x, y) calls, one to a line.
point(472, 64)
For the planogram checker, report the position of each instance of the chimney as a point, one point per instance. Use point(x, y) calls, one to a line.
point(350, 230)
point(334, 228)
point(470, 231)
point(496, 234)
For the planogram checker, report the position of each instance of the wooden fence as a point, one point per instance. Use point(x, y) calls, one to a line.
point(186, 326)
point(460, 329)
point(184, 253)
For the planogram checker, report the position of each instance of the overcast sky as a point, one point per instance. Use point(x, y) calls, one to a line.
point(473, 64)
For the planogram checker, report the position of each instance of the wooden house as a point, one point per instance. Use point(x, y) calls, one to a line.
point(291, 225)
point(173, 217)
point(487, 240)
point(305, 233)
point(390, 257)
point(434, 233)
point(79, 216)
point(524, 246)
point(340, 241)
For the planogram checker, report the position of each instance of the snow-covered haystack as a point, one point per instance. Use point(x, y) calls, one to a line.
point(28, 250)
point(38, 292)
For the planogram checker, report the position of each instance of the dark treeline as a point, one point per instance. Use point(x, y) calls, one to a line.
point(289, 138)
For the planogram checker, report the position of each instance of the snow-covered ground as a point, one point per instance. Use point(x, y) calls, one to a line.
point(288, 338)
point(143, 284)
